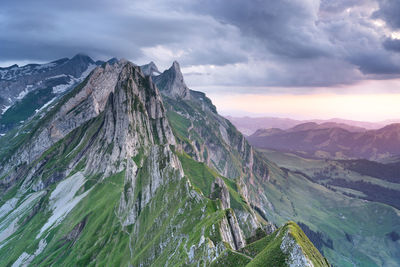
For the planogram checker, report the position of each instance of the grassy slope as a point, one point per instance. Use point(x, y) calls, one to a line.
point(201, 128)
point(322, 169)
point(267, 251)
point(103, 240)
point(296, 198)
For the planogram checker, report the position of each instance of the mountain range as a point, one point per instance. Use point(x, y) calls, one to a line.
point(249, 125)
point(25, 90)
point(129, 168)
point(332, 140)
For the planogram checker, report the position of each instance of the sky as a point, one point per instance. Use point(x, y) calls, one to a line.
point(287, 58)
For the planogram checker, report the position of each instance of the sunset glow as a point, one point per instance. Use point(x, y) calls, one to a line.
point(372, 107)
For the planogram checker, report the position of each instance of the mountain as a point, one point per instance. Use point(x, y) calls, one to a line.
point(249, 125)
point(171, 82)
point(325, 125)
point(121, 171)
point(280, 194)
point(25, 90)
point(332, 140)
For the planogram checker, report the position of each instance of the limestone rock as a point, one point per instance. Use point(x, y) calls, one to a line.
point(171, 83)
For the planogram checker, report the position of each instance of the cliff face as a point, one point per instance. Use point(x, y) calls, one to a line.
point(109, 177)
point(82, 104)
point(171, 82)
point(208, 137)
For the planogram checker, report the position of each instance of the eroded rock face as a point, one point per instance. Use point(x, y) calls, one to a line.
point(171, 82)
point(133, 118)
point(231, 232)
point(220, 191)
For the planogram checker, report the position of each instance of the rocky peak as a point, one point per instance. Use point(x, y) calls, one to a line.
point(220, 191)
point(83, 58)
point(112, 60)
point(10, 67)
point(75, 66)
point(134, 119)
point(171, 83)
point(150, 69)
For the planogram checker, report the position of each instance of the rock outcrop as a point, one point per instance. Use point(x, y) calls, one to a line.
point(171, 83)
point(220, 191)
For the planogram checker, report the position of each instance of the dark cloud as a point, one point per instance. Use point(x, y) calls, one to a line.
point(392, 44)
point(338, 6)
point(286, 28)
point(375, 64)
point(291, 43)
point(389, 11)
point(45, 30)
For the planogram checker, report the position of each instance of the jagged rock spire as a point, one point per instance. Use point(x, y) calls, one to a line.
point(171, 82)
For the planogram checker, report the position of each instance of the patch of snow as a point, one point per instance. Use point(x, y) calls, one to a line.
point(45, 105)
point(57, 76)
point(45, 66)
point(24, 92)
point(87, 72)
point(5, 109)
point(2, 134)
point(63, 87)
point(63, 199)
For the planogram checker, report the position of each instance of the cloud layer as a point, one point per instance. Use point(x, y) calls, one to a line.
point(253, 44)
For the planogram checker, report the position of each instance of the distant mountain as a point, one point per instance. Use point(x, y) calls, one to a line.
point(25, 90)
point(332, 140)
point(248, 125)
point(325, 125)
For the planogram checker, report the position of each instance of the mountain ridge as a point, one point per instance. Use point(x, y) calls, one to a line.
point(26, 90)
point(249, 125)
point(101, 178)
point(336, 142)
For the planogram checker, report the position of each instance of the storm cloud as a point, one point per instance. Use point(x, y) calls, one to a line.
point(242, 44)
